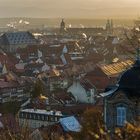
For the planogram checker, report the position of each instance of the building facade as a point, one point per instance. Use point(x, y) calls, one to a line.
point(122, 101)
point(35, 118)
point(83, 91)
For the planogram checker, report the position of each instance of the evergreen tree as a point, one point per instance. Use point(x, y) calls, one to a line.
point(38, 89)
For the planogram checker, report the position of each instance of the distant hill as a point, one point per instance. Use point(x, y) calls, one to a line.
point(55, 22)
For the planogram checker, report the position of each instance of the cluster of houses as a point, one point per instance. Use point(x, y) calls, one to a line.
point(78, 72)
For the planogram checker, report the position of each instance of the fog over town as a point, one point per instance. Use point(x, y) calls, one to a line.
point(69, 70)
point(70, 8)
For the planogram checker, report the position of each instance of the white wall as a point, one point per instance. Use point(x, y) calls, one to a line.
point(80, 93)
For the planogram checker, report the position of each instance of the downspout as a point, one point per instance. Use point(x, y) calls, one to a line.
point(105, 112)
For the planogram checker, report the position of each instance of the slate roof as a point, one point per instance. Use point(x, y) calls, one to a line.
point(16, 38)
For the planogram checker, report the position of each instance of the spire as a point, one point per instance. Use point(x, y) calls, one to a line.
point(108, 24)
point(109, 27)
point(62, 23)
point(62, 26)
point(112, 26)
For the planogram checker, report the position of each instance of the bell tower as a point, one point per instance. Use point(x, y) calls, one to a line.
point(109, 27)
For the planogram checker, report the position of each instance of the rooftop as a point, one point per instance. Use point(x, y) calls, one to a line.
point(116, 68)
point(86, 84)
point(15, 38)
point(40, 111)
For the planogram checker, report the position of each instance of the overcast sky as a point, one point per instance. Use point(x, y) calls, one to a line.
point(70, 8)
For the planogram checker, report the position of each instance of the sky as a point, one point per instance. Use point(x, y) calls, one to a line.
point(70, 8)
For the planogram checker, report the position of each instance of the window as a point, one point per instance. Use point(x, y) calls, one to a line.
point(26, 115)
point(56, 119)
point(21, 115)
point(46, 118)
point(52, 118)
point(88, 94)
point(42, 117)
point(34, 116)
point(30, 116)
point(38, 117)
point(121, 116)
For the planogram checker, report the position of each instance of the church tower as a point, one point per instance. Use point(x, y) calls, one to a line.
point(112, 26)
point(62, 26)
point(109, 27)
